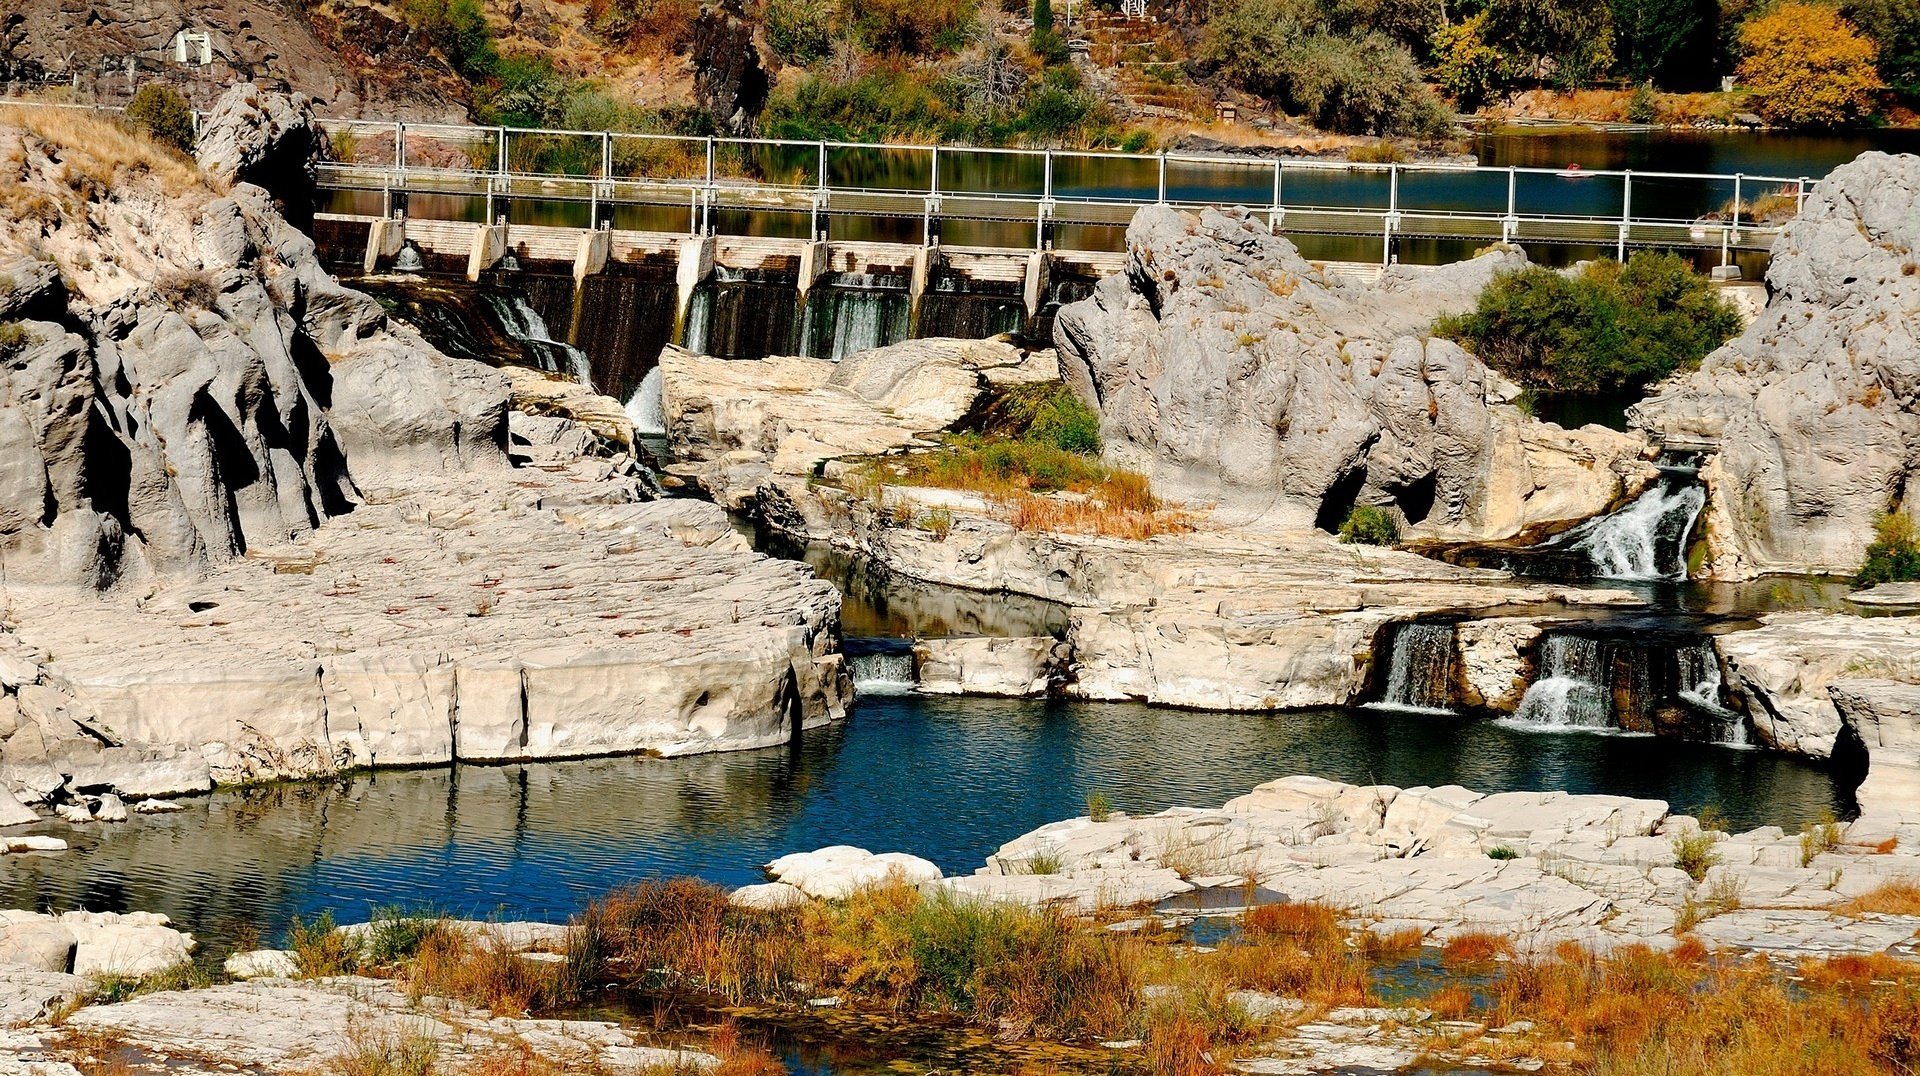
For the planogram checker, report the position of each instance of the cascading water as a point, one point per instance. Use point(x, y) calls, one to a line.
point(1571, 691)
point(699, 322)
point(525, 324)
point(409, 259)
point(1420, 670)
point(1700, 685)
point(1647, 540)
point(855, 312)
point(884, 672)
point(646, 408)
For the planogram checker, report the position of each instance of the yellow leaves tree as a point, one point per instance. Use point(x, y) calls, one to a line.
point(1807, 67)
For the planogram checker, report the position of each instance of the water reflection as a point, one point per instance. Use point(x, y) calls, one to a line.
point(950, 779)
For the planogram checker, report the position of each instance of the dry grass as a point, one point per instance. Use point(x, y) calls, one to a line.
point(481, 970)
point(1897, 897)
point(96, 147)
point(1475, 947)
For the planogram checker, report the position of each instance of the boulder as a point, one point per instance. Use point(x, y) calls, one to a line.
point(263, 964)
point(15, 813)
point(1883, 716)
point(37, 945)
point(839, 871)
point(769, 897)
point(268, 139)
point(1014, 668)
point(1812, 409)
point(1227, 367)
point(100, 943)
point(1781, 672)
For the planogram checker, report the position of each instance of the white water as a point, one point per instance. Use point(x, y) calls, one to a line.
point(645, 407)
point(525, 324)
point(1571, 692)
point(699, 317)
point(409, 259)
point(1701, 679)
point(1646, 540)
point(882, 674)
point(1419, 670)
point(862, 311)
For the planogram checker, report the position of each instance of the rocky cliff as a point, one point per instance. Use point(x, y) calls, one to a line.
point(252, 528)
point(1228, 367)
point(1815, 408)
point(184, 381)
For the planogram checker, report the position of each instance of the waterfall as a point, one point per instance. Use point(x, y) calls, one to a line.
point(882, 673)
point(856, 312)
point(699, 318)
point(1420, 669)
point(524, 324)
point(1646, 540)
point(1572, 688)
point(409, 259)
point(1700, 684)
point(645, 408)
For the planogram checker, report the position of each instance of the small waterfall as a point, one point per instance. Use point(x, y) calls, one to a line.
point(1572, 689)
point(646, 408)
point(1647, 540)
point(699, 322)
point(1700, 686)
point(1420, 670)
point(855, 312)
point(882, 673)
point(409, 259)
point(525, 324)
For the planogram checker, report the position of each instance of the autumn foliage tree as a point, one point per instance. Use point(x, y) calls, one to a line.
point(1807, 67)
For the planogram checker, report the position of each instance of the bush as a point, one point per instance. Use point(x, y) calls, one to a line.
point(662, 27)
point(1465, 66)
point(458, 28)
point(13, 339)
point(1644, 105)
point(801, 31)
point(319, 949)
point(1894, 554)
point(1607, 328)
point(1807, 66)
point(1353, 83)
point(160, 113)
point(1367, 525)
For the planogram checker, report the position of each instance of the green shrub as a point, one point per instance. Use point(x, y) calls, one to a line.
point(1501, 851)
point(1644, 105)
point(163, 115)
point(1894, 554)
point(800, 31)
point(1137, 142)
point(1608, 328)
point(1694, 852)
point(394, 935)
point(13, 338)
point(1367, 525)
point(1047, 413)
point(1099, 808)
point(458, 28)
point(320, 949)
point(1299, 55)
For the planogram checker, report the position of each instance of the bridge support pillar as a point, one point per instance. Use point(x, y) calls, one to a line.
point(489, 246)
point(591, 256)
point(1034, 292)
point(926, 261)
point(815, 259)
point(696, 265)
point(384, 239)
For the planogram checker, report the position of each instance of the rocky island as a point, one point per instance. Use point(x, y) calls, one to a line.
point(260, 526)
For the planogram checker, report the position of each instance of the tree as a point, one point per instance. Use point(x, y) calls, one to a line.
point(163, 115)
point(1291, 52)
point(1042, 16)
point(801, 31)
point(1466, 67)
point(1670, 41)
point(1807, 66)
point(1608, 328)
point(1567, 42)
point(1894, 26)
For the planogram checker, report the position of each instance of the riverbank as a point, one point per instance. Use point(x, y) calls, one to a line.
point(1337, 925)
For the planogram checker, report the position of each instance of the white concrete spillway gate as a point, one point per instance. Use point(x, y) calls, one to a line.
point(1060, 200)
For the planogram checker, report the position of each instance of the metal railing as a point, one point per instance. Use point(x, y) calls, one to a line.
point(1044, 188)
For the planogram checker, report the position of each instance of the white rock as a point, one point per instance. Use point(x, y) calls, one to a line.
point(769, 897)
point(110, 809)
point(839, 871)
point(263, 964)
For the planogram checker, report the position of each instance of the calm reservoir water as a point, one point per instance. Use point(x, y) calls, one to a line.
point(950, 779)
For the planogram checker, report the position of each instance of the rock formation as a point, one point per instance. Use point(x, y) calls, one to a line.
point(1227, 367)
point(295, 528)
point(1813, 408)
point(728, 82)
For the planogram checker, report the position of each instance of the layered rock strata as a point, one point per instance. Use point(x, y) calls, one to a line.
point(251, 528)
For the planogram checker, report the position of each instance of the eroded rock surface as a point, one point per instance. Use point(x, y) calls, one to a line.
point(1225, 366)
point(1813, 408)
point(1598, 870)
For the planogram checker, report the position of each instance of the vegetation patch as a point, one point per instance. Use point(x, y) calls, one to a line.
point(1367, 525)
point(1610, 327)
point(160, 113)
point(1894, 554)
point(1034, 453)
